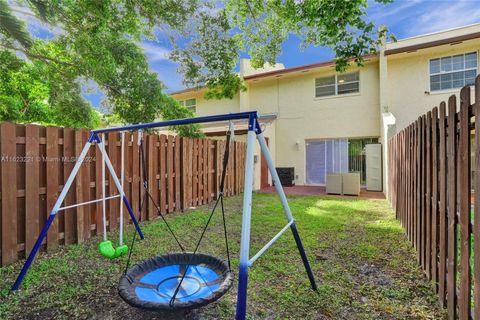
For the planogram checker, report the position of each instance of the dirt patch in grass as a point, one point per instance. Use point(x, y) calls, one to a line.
point(365, 268)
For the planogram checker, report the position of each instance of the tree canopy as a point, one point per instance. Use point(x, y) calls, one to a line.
point(99, 41)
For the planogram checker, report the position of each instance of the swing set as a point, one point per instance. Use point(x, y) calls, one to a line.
point(181, 280)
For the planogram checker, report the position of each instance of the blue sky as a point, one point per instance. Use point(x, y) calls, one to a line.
point(404, 18)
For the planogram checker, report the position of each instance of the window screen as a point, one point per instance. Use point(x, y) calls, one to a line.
point(453, 72)
point(337, 84)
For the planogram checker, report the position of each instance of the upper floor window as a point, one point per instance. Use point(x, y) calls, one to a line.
point(337, 84)
point(191, 104)
point(453, 71)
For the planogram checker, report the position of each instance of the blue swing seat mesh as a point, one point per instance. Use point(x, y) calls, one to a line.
point(151, 283)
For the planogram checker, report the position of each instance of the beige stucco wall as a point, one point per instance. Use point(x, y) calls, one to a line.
point(208, 107)
point(408, 81)
point(301, 116)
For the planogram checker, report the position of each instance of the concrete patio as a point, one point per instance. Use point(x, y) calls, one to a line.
point(321, 191)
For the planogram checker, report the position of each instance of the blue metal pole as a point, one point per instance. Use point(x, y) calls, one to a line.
point(286, 207)
point(52, 215)
point(134, 219)
point(34, 251)
point(241, 312)
point(298, 241)
point(168, 123)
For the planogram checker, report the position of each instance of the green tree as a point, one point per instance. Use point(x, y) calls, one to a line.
point(209, 47)
point(29, 92)
point(99, 40)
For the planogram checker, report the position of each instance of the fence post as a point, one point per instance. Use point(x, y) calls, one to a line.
point(476, 219)
point(178, 173)
point(451, 205)
point(69, 152)
point(434, 225)
point(464, 296)
point(442, 205)
point(32, 186)
point(9, 193)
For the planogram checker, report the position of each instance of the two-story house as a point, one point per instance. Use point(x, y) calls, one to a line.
point(319, 121)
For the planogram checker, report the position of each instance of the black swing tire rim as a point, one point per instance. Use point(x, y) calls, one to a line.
point(150, 284)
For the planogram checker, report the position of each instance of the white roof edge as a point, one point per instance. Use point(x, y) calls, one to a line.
point(436, 32)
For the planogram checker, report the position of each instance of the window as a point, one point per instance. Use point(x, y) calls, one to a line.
point(453, 72)
point(344, 83)
point(191, 104)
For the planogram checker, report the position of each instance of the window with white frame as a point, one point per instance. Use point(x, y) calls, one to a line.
point(453, 71)
point(338, 84)
point(191, 104)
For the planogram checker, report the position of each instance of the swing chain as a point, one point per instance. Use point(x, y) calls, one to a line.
point(219, 199)
point(147, 195)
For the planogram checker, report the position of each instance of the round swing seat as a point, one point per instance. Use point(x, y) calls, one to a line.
point(151, 283)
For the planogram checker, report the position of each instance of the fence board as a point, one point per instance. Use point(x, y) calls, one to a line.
point(137, 180)
point(70, 198)
point(218, 164)
point(152, 161)
point(86, 187)
point(205, 171)
point(98, 189)
point(184, 188)
point(195, 173)
point(32, 186)
point(113, 205)
point(9, 193)
point(442, 206)
point(170, 166)
point(434, 225)
point(52, 183)
point(190, 179)
point(210, 169)
point(79, 189)
point(408, 181)
point(200, 172)
point(127, 178)
point(423, 213)
point(451, 208)
point(464, 201)
point(476, 220)
point(178, 171)
point(163, 174)
point(418, 190)
point(428, 197)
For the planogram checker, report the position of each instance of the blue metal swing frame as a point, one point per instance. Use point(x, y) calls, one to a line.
point(254, 131)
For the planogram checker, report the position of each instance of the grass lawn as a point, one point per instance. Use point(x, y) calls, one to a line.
point(364, 266)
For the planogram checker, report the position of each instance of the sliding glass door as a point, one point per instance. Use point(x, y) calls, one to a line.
point(335, 156)
point(325, 156)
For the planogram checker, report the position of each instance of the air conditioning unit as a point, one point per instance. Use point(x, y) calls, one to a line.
point(287, 176)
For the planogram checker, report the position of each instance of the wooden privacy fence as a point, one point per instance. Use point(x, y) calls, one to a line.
point(433, 182)
point(36, 162)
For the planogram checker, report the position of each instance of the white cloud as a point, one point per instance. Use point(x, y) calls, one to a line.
point(155, 53)
point(441, 15)
point(379, 12)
